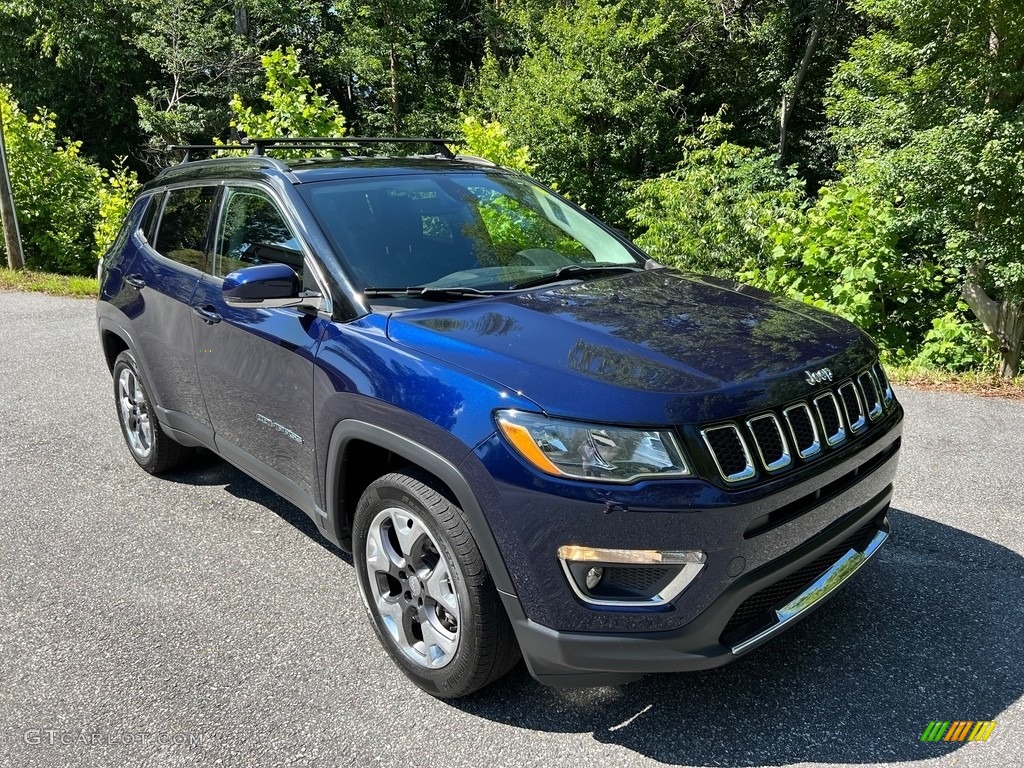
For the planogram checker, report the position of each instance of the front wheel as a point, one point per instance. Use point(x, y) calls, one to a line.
point(426, 588)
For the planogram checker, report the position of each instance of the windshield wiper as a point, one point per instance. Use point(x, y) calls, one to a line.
point(578, 271)
point(567, 272)
point(426, 292)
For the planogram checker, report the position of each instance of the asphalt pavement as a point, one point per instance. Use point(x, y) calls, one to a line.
point(198, 619)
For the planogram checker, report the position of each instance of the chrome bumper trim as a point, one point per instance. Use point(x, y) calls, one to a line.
point(828, 582)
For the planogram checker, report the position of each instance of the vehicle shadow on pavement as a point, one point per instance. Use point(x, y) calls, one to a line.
point(206, 468)
point(931, 630)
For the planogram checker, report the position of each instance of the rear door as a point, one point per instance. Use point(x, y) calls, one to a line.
point(165, 273)
point(256, 365)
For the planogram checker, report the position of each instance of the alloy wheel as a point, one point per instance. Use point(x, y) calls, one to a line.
point(411, 588)
point(134, 410)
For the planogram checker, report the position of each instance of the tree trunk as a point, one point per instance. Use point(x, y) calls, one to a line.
point(393, 62)
point(241, 18)
point(789, 100)
point(1004, 321)
point(8, 218)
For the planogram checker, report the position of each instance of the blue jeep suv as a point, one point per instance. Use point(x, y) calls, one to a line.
point(534, 440)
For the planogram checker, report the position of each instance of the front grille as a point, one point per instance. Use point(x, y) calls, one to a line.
point(772, 441)
point(729, 452)
point(803, 430)
point(869, 390)
point(828, 412)
point(757, 612)
point(851, 405)
point(883, 382)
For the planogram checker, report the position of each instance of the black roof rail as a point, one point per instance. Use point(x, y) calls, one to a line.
point(205, 149)
point(345, 142)
point(342, 144)
point(189, 149)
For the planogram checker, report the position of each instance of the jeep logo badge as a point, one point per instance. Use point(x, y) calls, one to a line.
point(819, 376)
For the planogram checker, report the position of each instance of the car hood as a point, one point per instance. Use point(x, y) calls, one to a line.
point(645, 346)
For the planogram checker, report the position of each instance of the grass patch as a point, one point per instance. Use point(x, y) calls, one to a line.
point(45, 282)
point(982, 383)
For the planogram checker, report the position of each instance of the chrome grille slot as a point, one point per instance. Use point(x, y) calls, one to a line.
point(869, 391)
point(803, 430)
point(730, 452)
point(769, 441)
point(883, 382)
point(852, 406)
point(831, 421)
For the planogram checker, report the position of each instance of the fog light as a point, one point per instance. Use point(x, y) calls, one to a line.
point(629, 577)
point(632, 556)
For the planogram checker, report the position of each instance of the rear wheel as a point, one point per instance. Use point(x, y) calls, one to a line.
point(426, 588)
point(154, 451)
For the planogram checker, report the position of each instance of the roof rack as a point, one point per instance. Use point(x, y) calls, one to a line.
point(342, 144)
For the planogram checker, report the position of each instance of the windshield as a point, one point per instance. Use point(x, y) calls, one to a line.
point(485, 231)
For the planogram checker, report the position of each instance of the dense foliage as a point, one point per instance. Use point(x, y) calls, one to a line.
point(716, 208)
point(68, 207)
point(292, 105)
point(862, 155)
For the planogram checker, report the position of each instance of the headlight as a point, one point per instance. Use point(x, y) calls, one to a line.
point(592, 451)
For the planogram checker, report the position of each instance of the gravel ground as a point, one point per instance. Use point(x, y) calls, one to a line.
point(198, 619)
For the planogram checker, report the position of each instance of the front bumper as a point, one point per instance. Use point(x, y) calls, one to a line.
point(766, 548)
point(578, 659)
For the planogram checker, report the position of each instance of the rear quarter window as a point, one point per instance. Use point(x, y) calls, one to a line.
point(132, 224)
point(147, 227)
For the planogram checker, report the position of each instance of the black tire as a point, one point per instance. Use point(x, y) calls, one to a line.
point(151, 448)
point(484, 647)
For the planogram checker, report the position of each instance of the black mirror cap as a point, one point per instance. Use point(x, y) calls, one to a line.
point(260, 283)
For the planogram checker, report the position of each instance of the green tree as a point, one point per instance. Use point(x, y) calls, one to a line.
point(490, 141)
point(292, 105)
point(56, 191)
point(840, 253)
point(927, 111)
point(713, 212)
point(771, 63)
point(115, 200)
point(79, 60)
point(397, 66)
point(203, 57)
point(597, 96)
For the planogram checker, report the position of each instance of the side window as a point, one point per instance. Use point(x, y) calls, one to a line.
point(148, 224)
point(253, 231)
point(183, 226)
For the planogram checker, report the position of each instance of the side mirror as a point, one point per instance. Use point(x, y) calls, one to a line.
point(267, 286)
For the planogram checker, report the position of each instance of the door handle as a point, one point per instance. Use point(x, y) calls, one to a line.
point(135, 281)
point(207, 314)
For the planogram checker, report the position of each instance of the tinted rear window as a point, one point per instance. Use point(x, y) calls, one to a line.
point(182, 235)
